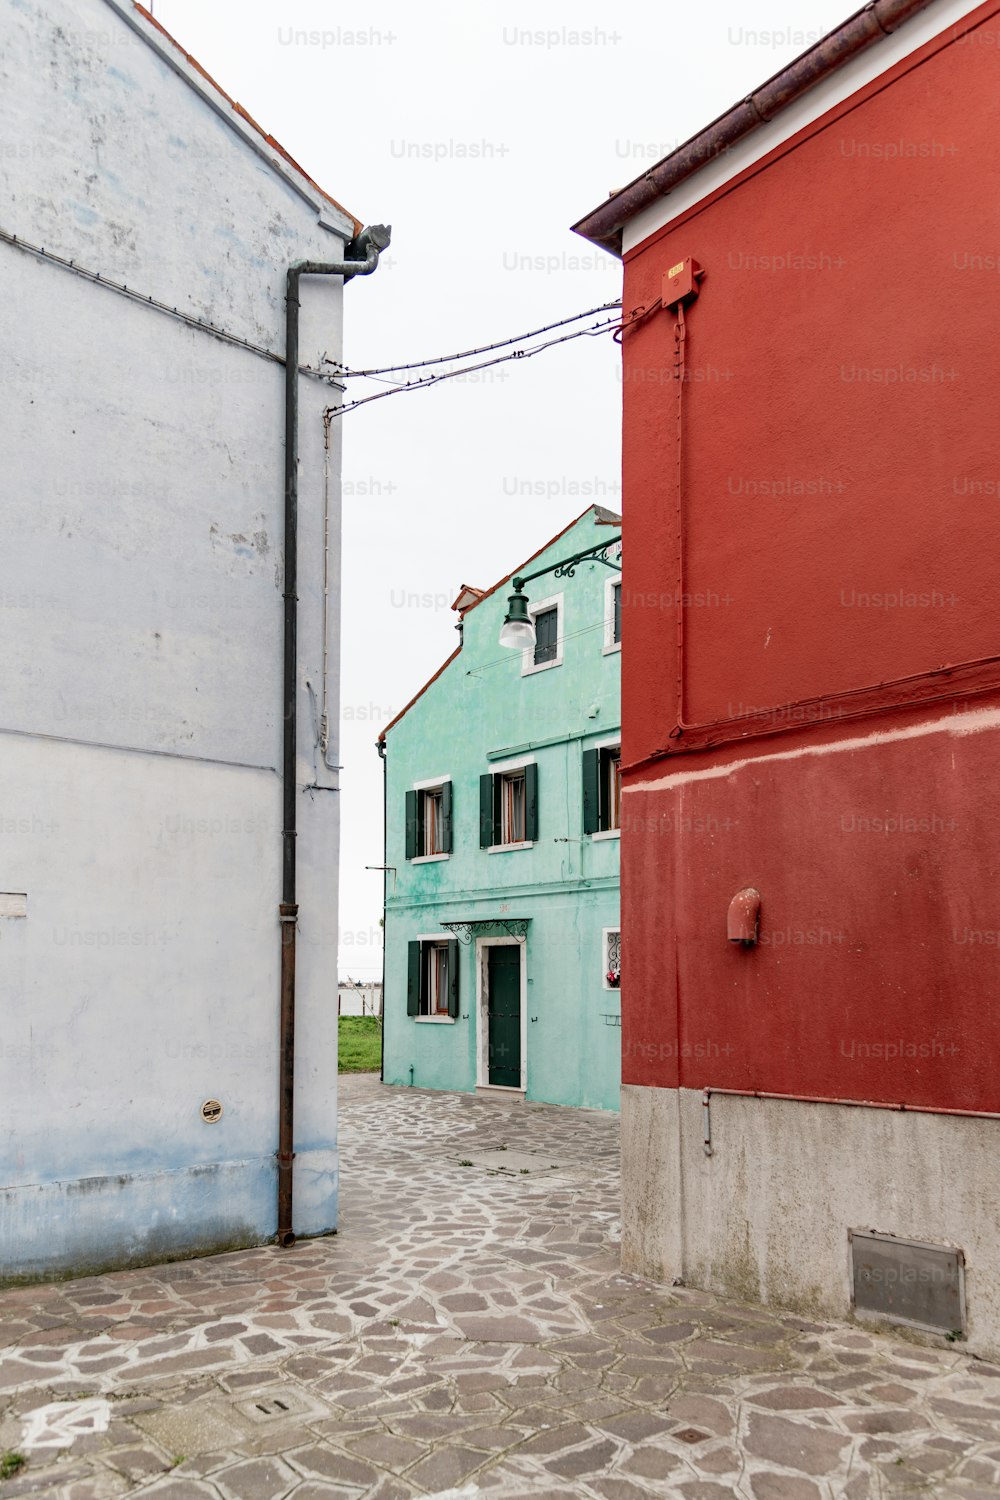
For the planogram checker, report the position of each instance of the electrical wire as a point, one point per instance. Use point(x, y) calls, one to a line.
point(143, 299)
point(447, 359)
point(512, 656)
point(424, 382)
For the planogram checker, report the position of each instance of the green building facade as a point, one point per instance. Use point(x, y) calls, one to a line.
point(502, 839)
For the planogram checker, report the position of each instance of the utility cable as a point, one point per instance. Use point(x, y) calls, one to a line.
point(424, 382)
point(447, 359)
point(201, 325)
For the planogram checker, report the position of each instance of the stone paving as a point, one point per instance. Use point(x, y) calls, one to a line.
point(469, 1333)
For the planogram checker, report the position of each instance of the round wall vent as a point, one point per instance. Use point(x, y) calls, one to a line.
point(211, 1111)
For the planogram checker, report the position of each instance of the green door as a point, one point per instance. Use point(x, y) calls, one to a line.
point(504, 1015)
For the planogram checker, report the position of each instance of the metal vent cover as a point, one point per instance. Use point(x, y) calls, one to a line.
point(278, 1403)
point(907, 1281)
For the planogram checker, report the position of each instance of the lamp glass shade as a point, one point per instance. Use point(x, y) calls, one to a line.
point(518, 631)
point(518, 634)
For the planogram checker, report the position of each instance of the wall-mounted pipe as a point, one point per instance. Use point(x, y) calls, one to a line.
point(382, 749)
point(903, 1109)
point(360, 259)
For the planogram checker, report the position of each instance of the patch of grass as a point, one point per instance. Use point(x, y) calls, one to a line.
point(465, 1164)
point(178, 1458)
point(359, 1047)
point(525, 1171)
point(10, 1462)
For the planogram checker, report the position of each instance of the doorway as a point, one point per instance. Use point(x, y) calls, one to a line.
point(501, 1013)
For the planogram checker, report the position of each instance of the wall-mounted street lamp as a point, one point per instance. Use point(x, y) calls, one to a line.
point(518, 630)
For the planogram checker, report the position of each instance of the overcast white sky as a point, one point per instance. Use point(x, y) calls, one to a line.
point(480, 130)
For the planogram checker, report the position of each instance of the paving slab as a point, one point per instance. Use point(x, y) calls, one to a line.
point(468, 1333)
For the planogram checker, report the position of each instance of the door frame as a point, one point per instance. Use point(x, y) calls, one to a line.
point(482, 1005)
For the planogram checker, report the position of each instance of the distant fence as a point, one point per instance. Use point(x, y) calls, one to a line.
point(357, 998)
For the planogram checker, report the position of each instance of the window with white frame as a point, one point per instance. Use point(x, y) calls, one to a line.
point(508, 806)
point(428, 820)
point(612, 615)
point(432, 979)
point(546, 636)
point(512, 808)
point(602, 789)
point(547, 618)
point(612, 957)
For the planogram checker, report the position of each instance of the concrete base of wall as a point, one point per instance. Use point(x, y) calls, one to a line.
point(93, 1224)
point(766, 1217)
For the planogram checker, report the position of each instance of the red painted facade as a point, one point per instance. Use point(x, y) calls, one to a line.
point(811, 695)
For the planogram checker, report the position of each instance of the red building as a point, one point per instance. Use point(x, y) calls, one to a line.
point(811, 692)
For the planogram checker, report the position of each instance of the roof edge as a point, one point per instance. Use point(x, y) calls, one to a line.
point(145, 25)
point(604, 225)
point(600, 513)
point(418, 694)
point(550, 543)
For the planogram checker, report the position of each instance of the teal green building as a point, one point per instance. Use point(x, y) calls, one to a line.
point(503, 780)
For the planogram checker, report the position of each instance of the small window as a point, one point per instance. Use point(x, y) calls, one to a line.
point(512, 808)
point(611, 770)
point(435, 997)
point(602, 789)
point(433, 831)
point(508, 807)
point(612, 958)
point(612, 615)
point(547, 652)
point(546, 635)
point(432, 982)
point(428, 822)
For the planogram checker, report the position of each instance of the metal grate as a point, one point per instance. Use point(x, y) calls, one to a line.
point(613, 959)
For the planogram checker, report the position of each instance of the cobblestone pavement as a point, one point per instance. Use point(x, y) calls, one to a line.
point(468, 1333)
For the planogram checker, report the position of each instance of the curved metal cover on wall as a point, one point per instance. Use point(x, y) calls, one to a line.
point(515, 927)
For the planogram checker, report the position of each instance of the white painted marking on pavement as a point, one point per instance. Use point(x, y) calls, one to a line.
point(59, 1424)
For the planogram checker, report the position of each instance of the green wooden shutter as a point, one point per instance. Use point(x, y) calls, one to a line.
point(413, 976)
point(412, 825)
point(591, 791)
point(453, 1007)
point(486, 818)
point(531, 802)
point(446, 818)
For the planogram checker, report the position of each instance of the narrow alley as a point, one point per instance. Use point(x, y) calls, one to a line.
point(468, 1332)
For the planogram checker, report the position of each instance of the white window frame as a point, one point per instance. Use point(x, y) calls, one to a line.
point(501, 768)
point(612, 742)
point(435, 938)
point(482, 1007)
point(605, 934)
point(528, 664)
point(610, 644)
point(430, 785)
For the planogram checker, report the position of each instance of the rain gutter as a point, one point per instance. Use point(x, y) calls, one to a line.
point(361, 259)
point(604, 225)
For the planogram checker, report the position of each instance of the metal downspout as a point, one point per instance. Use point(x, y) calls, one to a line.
point(361, 259)
point(383, 749)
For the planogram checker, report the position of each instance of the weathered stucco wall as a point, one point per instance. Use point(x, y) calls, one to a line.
point(765, 1217)
point(812, 709)
point(140, 732)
